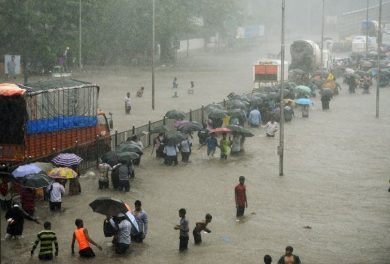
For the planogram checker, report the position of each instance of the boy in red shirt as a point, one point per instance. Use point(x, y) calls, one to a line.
point(240, 197)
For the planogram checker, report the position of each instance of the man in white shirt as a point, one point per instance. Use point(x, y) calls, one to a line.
point(236, 145)
point(127, 104)
point(271, 128)
point(185, 148)
point(56, 190)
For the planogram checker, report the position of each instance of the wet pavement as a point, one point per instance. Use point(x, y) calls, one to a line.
point(336, 179)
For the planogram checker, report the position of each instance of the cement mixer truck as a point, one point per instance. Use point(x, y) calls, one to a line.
point(305, 55)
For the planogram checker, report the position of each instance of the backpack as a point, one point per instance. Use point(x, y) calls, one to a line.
point(4, 188)
point(108, 229)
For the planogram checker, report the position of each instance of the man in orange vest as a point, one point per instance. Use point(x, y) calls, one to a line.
point(83, 239)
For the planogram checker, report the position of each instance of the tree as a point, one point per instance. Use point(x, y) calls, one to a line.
point(114, 31)
point(38, 30)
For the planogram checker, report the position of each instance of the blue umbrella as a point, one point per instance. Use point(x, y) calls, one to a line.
point(303, 101)
point(24, 170)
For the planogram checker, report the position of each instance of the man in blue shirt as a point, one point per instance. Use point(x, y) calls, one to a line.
point(254, 118)
point(170, 155)
point(212, 144)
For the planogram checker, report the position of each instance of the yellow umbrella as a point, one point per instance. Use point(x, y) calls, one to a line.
point(62, 173)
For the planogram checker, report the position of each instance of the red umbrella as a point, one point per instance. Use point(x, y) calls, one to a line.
point(220, 130)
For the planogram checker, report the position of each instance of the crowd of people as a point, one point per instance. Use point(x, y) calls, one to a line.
point(124, 228)
point(121, 227)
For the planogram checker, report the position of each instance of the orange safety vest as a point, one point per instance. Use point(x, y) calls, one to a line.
point(81, 238)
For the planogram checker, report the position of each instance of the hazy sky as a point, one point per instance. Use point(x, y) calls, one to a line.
point(302, 15)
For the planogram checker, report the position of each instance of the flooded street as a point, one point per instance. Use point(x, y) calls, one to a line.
point(336, 179)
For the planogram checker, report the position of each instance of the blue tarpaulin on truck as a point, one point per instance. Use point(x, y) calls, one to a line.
point(59, 123)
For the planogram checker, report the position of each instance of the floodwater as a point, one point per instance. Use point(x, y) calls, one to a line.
point(336, 176)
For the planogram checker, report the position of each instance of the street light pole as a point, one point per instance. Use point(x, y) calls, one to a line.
point(379, 38)
point(367, 28)
point(281, 133)
point(322, 36)
point(153, 51)
point(80, 64)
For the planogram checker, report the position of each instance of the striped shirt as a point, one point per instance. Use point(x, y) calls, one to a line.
point(47, 238)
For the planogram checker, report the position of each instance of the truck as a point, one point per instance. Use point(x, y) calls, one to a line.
point(268, 71)
point(47, 117)
point(359, 44)
point(305, 55)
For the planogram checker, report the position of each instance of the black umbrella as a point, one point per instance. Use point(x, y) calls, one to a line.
point(237, 113)
point(159, 129)
point(189, 127)
point(35, 180)
point(127, 157)
point(210, 107)
point(110, 157)
point(260, 95)
point(130, 147)
point(240, 130)
point(217, 113)
point(108, 206)
point(297, 71)
point(174, 114)
point(255, 100)
point(327, 92)
point(175, 137)
point(236, 103)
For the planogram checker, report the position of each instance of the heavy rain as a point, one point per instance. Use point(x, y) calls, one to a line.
point(115, 115)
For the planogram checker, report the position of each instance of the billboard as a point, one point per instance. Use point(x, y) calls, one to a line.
point(248, 32)
point(12, 65)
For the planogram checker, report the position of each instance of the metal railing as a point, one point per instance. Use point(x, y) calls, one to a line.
point(144, 131)
point(91, 152)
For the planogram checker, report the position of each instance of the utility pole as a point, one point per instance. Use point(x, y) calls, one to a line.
point(322, 36)
point(379, 38)
point(281, 133)
point(367, 28)
point(153, 51)
point(80, 64)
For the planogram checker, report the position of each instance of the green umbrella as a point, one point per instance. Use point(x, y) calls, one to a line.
point(302, 88)
point(35, 180)
point(217, 113)
point(159, 129)
point(126, 157)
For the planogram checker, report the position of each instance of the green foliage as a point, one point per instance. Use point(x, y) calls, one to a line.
point(113, 31)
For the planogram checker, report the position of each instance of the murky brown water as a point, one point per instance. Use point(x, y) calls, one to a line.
point(336, 181)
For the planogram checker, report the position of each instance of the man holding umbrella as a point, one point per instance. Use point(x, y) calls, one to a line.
point(122, 237)
point(117, 214)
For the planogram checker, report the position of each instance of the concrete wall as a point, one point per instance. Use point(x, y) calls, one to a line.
point(193, 44)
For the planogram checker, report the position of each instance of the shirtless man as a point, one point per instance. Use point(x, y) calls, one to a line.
point(289, 257)
point(140, 92)
point(199, 227)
